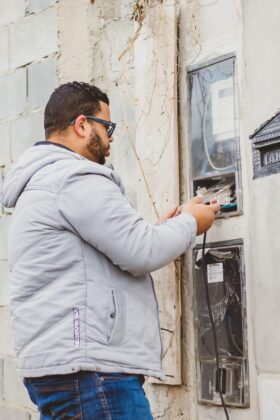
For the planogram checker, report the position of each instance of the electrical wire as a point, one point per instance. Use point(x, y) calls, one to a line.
point(213, 327)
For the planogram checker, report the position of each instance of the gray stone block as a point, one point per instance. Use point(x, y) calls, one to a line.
point(5, 156)
point(35, 5)
point(13, 90)
point(11, 413)
point(25, 131)
point(6, 346)
point(41, 82)
point(4, 283)
point(10, 11)
point(14, 390)
point(14, 394)
point(4, 231)
point(33, 38)
point(4, 48)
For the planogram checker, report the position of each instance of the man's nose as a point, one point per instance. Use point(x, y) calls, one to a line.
point(111, 139)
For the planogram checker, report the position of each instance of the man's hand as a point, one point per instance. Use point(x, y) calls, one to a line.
point(204, 214)
point(175, 211)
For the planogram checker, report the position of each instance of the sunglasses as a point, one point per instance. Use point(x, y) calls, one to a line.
point(108, 124)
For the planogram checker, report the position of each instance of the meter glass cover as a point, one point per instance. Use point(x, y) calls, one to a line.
point(213, 137)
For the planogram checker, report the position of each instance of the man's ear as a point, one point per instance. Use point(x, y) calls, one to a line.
point(79, 126)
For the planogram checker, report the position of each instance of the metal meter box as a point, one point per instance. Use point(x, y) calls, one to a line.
point(226, 281)
point(214, 140)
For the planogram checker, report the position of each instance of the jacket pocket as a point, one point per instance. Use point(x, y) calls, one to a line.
point(115, 324)
point(98, 300)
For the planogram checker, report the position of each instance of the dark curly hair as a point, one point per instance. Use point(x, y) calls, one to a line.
point(69, 101)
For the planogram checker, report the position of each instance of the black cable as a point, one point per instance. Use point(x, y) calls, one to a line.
point(213, 327)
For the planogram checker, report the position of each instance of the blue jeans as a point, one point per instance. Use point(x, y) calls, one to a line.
point(90, 396)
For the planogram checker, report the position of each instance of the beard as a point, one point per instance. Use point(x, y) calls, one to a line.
point(96, 148)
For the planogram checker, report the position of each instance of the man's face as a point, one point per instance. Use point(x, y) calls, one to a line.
point(98, 146)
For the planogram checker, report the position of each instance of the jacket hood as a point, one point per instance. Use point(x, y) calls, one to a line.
point(38, 157)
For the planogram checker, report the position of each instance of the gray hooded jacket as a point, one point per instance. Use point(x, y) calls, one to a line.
point(81, 297)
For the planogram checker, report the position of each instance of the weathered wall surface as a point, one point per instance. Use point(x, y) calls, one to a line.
point(111, 30)
point(210, 30)
point(141, 83)
point(46, 42)
point(74, 42)
point(250, 30)
point(28, 48)
point(261, 101)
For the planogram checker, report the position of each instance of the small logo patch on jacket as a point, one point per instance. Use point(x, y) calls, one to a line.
point(76, 326)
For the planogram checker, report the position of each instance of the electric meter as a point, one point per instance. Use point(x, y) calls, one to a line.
point(215, 163)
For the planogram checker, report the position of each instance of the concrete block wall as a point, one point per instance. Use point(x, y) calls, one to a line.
point(40, 41)
point(116, 76)
point(28, 75)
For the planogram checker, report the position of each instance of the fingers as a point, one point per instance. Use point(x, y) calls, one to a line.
point(197, 199)
point(169, 214)
point(215, 207)
point(178, 211)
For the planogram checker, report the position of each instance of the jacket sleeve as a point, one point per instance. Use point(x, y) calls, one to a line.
point(94, 208)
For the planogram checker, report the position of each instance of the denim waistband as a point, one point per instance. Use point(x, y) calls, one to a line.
point(83, 373)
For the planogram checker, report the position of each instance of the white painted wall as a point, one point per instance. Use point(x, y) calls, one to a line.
point(208, 30)
point(250, 29)
point(261, 100)
point(83, 41)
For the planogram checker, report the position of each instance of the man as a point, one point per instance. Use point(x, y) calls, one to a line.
point(84, 312)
